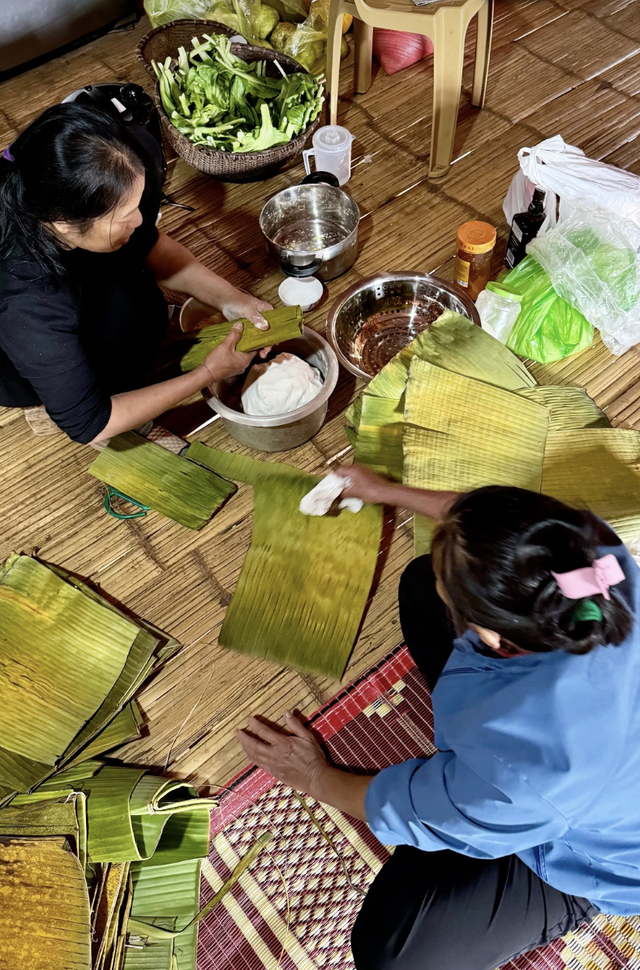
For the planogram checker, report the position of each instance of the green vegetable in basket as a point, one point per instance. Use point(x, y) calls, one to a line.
point(217, 99)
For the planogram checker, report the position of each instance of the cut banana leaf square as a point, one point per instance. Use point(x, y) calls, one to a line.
point(19, 773)
point(597, 469)
point(44, 918)
point(379, 440)
point(155, 477)
point(570, 408)
point(61, 653)
point(461, 434)
point(285, 323)
point(306, 579)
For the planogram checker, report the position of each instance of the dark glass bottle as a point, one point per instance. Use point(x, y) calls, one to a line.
point(524, 228)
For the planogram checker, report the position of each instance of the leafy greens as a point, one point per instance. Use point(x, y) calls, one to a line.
point(218, 100)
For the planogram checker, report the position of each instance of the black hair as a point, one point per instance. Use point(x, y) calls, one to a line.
point(494, 554)
point(73, 164)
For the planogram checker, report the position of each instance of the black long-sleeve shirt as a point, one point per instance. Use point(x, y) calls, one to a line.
point(71, 344)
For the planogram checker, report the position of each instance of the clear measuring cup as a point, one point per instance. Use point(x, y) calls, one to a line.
point(332, 152)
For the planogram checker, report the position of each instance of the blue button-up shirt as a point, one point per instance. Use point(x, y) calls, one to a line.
point(539, 755)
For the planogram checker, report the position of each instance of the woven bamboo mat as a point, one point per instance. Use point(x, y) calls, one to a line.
point(557, 65)
point(295, 907)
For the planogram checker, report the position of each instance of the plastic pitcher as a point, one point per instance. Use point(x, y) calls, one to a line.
point(332, 152)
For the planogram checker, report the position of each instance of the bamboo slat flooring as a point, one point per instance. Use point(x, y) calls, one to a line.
point(567, 66)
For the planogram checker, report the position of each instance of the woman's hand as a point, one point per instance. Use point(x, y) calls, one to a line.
point(365, 484)
point(295, 759)
point(224, 360)
point(239, 304)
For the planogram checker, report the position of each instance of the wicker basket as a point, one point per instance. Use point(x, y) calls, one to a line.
point(164, 42)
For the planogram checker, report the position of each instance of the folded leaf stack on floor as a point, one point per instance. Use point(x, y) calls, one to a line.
point(306, 579)
point(91, 854)
point(456, 410)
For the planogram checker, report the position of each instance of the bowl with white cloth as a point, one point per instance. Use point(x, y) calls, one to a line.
point(302, 371)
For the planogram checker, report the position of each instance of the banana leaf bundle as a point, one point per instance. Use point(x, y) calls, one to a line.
point(44, 918)
point(86, 660)
point(305, 581)
point(461, 394)
point(157, 478)
point(285, 323)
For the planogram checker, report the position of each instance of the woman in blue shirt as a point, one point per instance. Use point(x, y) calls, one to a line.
point(526, 822)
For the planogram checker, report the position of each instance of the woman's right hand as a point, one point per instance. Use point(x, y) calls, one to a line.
point(224, 360)
point(365, 484)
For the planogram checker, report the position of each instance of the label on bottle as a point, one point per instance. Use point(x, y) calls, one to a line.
point(516, 231)
point(461, 272)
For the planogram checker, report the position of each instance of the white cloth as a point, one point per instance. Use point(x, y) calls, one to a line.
point(278, 386)
point(320, 499)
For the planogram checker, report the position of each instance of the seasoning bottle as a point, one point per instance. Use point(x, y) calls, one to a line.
point(473, 258)
point(524, 228)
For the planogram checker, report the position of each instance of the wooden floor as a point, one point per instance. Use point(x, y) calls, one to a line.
point(558, 66)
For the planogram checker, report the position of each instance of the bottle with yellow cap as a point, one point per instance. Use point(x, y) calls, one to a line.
point(473, 258)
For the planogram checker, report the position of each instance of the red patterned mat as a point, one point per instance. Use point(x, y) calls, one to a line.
point(294, 907)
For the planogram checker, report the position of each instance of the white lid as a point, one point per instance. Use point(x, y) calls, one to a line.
point(300, 292)
point(332, 138)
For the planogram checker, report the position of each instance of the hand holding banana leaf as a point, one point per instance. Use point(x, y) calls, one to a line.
point(226, 360)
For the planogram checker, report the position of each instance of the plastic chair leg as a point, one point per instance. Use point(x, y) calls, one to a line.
point(483, 52)
point(363, 39)
point(448, 57)
point(334, 38)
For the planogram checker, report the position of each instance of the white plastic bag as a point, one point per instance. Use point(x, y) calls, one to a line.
point(566, 173)
point(593, 261)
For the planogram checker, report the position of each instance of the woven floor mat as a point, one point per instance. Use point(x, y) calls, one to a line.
point(295, 906)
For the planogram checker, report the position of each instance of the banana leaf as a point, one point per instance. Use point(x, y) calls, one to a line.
point(124, 727)
point(155, 477)
point(151, 648)
point(61, 654)
point(44, 917)
point(42, 814)
point(379, 439)
point(461, 433)
point(20, 774)
point(452, 343)
point(165, 898)
point(285, 323)
point(133, 816)
point(597, 469)
point(305, 581)
point(569, 408)
point(110, 911)
point(71, 778)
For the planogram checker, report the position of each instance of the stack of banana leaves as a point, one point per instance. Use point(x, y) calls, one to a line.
point(456, 410)
point(99, 863)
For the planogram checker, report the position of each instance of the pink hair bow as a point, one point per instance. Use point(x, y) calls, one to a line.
point(597, 578)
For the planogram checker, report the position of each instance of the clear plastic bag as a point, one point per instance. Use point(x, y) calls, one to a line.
point(547, 327)
point(592, 261)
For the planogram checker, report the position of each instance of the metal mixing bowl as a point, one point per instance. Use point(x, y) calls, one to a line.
point(375, 319)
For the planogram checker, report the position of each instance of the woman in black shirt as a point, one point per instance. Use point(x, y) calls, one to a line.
point(81, 313)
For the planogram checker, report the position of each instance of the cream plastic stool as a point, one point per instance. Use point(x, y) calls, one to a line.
point(445, 23)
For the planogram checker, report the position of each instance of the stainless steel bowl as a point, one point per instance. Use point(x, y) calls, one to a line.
point(312, 230)
point(375, 319)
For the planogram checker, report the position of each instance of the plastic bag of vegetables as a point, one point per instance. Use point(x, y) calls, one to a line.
point(221, 101)
point(250, 18)
point(307, 41)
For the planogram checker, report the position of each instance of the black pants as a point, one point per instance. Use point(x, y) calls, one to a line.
point(443, 910)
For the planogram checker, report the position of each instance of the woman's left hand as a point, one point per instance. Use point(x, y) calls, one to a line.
point(295, 759)
point(240, 304)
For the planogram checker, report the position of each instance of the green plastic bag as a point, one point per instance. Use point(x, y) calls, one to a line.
point(547, 328)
